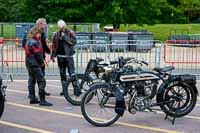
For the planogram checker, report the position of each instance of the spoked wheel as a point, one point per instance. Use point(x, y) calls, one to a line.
point(69, 94)
point(183, 99)
point(100, 110)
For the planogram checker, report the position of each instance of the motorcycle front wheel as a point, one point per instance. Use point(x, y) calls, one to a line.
point(99, 110)
point(82, 83)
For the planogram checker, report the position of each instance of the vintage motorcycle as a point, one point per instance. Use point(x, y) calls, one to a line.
point(136, 89)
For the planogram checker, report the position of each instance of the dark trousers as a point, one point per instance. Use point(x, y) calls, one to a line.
point(43, 70)
point(36, 75)
point(66, 63)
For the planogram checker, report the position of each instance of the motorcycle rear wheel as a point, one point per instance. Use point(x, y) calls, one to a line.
point(184, 98)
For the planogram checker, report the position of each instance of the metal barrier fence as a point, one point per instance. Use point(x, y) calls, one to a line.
point(125, 48)
point(13, 59)
point(184, 56)
point(156, 53)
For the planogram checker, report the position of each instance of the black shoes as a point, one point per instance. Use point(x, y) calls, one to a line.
point(41, 102)
point(34, 100)
point(47, 94)
point(61, 93)
point(45, 103)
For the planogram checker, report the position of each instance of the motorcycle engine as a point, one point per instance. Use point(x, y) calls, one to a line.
point(143, 88)
point(140, 87)
point(144, 92)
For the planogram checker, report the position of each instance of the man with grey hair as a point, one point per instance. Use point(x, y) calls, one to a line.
point(63, 48)
point(41, 23)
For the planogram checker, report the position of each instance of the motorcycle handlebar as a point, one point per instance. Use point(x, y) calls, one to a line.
point(99, 59)
point(144, 62)
point(135, 60)
point(113, 62)
point(129, 59)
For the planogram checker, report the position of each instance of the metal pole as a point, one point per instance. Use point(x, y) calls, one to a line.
point(1, 30)
point(77, 52)
point(2, 58)
point(74, 27)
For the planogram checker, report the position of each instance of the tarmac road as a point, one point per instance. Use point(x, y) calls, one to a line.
point(21, 117)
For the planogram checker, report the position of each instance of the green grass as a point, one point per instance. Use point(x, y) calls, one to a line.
point(160, 31)
point(53, 28)
point(8, 31)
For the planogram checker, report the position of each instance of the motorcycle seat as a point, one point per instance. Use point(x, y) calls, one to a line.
point(164, 70)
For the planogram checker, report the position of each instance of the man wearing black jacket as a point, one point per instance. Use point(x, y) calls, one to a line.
point(63, 48)
point(41, 23)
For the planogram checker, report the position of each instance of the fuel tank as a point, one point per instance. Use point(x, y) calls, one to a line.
point(135, 76)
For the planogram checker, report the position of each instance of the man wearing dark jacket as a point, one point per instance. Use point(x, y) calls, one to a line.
point(41, 23)
point(63, 48)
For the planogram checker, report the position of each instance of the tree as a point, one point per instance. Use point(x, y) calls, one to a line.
point(105, 12)
point(190, 8)
point(11, 10)
point(129, 11)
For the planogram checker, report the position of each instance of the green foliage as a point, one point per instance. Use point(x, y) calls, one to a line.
point(11, 10)
point(113, 12)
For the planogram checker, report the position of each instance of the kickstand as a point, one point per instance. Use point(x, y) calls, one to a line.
point(168, 116)
point(172, 120)
point(151, 110)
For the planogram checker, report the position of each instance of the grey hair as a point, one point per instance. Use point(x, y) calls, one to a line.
point(41, 20)
point(61, 24)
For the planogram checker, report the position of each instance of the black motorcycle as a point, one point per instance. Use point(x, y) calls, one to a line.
point(135, 89)
point(2, 96)
point(83, 81)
